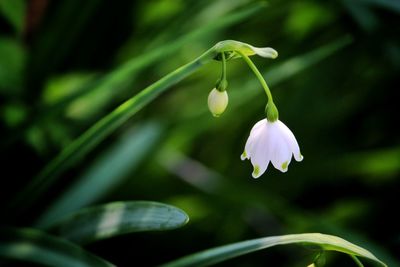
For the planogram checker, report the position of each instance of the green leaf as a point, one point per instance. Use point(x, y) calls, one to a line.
point(219, 254)
point(119, 218)
point(37, 247)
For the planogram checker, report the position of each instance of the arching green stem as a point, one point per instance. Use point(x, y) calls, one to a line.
point(258, 75)
point(357, 261)
point(271, 110)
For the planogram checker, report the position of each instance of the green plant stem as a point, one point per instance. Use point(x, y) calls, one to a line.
point(99, 131)
point(223, 76)
point(258, 75)
point(357, 261)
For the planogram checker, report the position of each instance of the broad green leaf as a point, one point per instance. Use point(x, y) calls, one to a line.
point(219, 254)
point(31, 245)
point(107, 172)
point(119, 218)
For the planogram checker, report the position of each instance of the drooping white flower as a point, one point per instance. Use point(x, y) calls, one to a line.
point(270, 141)
point(217, 102)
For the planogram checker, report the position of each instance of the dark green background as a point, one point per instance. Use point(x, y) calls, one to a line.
point(335, 82)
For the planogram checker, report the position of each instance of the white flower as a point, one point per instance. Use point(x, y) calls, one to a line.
point(217, 102)
point(270, 141)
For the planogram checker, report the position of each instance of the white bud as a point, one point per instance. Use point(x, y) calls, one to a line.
point(217, 102)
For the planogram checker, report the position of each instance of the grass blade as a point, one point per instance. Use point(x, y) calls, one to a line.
point(219, 254)
point(37, 247)
point(119, 218)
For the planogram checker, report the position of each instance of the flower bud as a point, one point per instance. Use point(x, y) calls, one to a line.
point(217, 102)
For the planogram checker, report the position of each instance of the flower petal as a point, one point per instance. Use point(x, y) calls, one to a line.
point(259, 170)
point(290, 140)
point(281, 157)
point(254, 135)
point(247, 149)
point(281, 154)
point(260, 154)
point(217, 102)
point(257, 125)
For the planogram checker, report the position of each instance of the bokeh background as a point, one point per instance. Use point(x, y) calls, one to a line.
point(66, 64)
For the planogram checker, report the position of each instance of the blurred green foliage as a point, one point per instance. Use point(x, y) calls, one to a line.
point(66, 64)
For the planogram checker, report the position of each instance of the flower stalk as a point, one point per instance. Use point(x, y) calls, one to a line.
point(222, 83)
point(271, 110)
point(258, 75)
